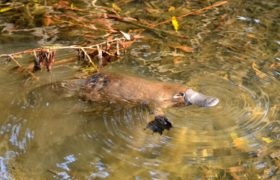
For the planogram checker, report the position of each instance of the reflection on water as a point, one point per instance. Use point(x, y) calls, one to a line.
point(64, 166)
point(47, 133)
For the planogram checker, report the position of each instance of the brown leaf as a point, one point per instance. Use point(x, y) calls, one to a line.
point(99, 50)
point(240, 143)
point(47, 21)
point(126, 44)
point(258, 72)
point(61, 4)
point(236, 169)
point(137, 36)
point(153, 11)
point(275, 154)
point(178, 60)
point(184, 48)
point(105, 23)
point(109, 38)
point(50, 60)
point(118, 49)
point(126, 35)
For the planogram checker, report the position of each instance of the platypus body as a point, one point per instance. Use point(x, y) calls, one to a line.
point(157, 95)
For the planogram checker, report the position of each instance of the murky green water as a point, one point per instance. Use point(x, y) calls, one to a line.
point(236, 58)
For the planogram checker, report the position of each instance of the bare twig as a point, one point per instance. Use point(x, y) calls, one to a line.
point(21, 67)
point(14, 60)
point(91, 47)
point(89, 59)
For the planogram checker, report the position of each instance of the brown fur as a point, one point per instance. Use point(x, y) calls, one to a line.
point(111, 87)
point(124, 88)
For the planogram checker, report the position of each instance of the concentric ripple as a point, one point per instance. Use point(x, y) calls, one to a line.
point(241, 126)
point(239, 107)
point(200, 135)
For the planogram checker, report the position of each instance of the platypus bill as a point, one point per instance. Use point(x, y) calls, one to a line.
point(157, 95)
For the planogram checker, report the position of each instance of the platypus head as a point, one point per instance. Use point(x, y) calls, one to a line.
point(193, 97)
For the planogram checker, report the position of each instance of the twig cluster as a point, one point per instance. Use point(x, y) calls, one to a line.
point(95, 56)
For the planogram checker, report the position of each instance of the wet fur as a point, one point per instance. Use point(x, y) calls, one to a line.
point(118, 87)
point(123, 88)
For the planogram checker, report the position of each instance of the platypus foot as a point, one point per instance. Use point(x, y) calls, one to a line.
point(193, 97)
point(159, 124)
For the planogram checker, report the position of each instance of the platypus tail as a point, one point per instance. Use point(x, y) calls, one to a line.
point(193, 97)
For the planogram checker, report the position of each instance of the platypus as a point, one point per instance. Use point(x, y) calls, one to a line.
point(115, 87)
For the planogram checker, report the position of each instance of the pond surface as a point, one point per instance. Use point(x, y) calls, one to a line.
point(236, 58)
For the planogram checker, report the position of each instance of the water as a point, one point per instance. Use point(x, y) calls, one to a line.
point(46, 134)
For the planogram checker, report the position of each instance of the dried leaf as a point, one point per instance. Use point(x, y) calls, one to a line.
point(99, 55)
point(175, 23)
point(275, 154)
point(126, 44)
point(126, 36)
point(171, 8)
point(118, 49)
point(61, 4)
point(47, 21)
point(72, 6)
point(5, 9)
point(204, 153)
point(177, 60)
point(99, 50)
point(153, 12)
point(116, 7)
point(258, 72)
point(109, 38)
point(49, 60)
point(267, 140)
point(108, 45)
point(106, 23)
point(184, 48)
point(251, 35)
point(233, 135)
point(239, 142)
point(236, 169)
point(137, 36)
point(88, 69)
point(273, 65)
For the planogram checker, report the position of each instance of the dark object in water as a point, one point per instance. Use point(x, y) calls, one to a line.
point(159, 124)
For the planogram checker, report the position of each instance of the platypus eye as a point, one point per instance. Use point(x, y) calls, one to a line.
point(179, 95)
point(182, 94)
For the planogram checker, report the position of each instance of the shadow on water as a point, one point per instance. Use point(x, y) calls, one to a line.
point(48, 133)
